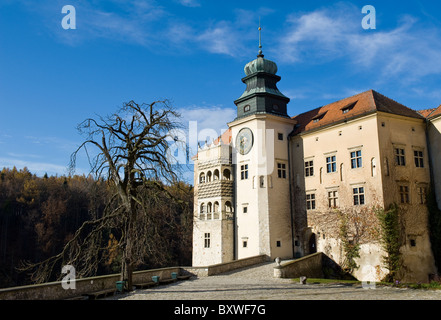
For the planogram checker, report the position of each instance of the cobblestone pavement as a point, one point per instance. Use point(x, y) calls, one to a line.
point(258, 283)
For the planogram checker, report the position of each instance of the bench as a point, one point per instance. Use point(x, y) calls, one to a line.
point(165, 281)
point(99, 294)
point(145, 285)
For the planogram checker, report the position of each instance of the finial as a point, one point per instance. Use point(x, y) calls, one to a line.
point(260, 41)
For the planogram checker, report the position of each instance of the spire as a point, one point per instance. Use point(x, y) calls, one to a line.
point(260, 41)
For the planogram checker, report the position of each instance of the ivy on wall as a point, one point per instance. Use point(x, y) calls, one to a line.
point(434, 226)
point(390, 239)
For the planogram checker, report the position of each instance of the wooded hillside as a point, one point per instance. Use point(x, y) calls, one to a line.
point(39, 215)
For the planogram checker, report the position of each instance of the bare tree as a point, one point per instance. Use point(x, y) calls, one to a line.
point(131, 152)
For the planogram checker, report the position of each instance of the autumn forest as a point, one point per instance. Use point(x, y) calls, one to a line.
point(38, 216)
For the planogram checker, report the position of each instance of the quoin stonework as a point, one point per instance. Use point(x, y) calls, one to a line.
point(279, 185)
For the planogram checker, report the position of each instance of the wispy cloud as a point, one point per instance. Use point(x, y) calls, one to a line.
point(411, 49)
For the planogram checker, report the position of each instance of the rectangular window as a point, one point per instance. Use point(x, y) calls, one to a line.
point(333, 199)
point(309, 168)
point(400, 159)
point(358, 194)
point(356, 161)
point(422, 194)
point(206, 240)
point(281, 170)
point(310, 201)
point(244, 172)
point(245, 209)
point(404, 194)
point(278, 243)
point(280, 136)
point(419, 160)
point(331, 165)
point(244, 243)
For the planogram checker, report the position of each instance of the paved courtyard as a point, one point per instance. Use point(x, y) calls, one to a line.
point(258, 283)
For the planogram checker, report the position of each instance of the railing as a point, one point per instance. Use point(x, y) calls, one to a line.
point(218, 215)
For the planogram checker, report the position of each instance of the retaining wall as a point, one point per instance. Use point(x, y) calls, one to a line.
point(55, 291)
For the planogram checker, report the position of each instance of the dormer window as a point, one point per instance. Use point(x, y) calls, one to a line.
point(318, 117)
point(246, 108)
point(348, 107)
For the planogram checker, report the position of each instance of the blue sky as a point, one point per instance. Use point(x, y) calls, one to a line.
point(193, 53)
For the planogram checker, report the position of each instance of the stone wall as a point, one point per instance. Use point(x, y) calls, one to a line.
point(310, 266)
point(55, 291)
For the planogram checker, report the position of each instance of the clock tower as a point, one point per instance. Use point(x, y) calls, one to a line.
point(261, 164)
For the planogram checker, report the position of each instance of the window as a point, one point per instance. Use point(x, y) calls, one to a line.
point(245, 209)
point(331, 164)
point(422, 191)
point(310, 201)
point(244, 243)
point(404, 194)
point(333, 199)
point(419, 160)
point(309, 168)
point(246, 108)
point(280, 136)
point(278, 243)
point(206, 240)
point(244, 172)
point(400, 159)
point(348, 107)
point(358, 194)
point(356, 161)
point(202, 178)
point(281, 170)
point(262, 181)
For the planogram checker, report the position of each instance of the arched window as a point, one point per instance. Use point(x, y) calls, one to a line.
point(216, 175)
point(202, 208)
point(209, 207)
point(226, 174)
point(209, 176)
point(202, 178)
point(215, 206)
point(228, 207)
point(373, 167)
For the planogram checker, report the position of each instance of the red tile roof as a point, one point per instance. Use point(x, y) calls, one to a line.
point(349, 108)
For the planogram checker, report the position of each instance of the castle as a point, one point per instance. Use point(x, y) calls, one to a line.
point(277, 185)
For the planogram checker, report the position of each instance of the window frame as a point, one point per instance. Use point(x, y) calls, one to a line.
point(331, 164)
point(309, 168)
point(310, 201)
point(207, 240)
point(332, 197)
point(281, 170)
point(400, 156)
point(404, 193)
point(244, 172)
point(359, 197)
point(418, 156)
point(356, 159)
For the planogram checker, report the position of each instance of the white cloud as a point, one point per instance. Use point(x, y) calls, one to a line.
point(38, 168)
point(189, 3)
point(328, 34)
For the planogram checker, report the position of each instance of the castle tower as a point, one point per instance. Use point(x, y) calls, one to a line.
point(260, 155)
point(213, 233)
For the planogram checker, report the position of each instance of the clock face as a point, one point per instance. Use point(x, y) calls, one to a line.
point(244, 141)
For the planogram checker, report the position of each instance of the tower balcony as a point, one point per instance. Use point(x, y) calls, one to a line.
point(219, 215)
point(214, 189)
